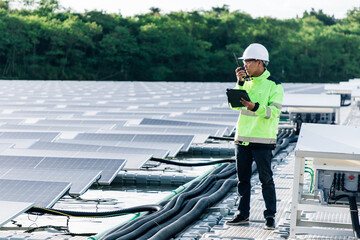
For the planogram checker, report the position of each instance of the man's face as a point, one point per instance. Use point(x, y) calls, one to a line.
point(251, 66)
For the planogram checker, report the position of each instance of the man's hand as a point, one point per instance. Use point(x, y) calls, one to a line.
point(240, 74)
point(248, 104)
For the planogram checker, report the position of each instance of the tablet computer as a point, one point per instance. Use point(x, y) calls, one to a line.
point(234, 96)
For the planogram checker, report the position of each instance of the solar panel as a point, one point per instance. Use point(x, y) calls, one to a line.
point(4, 146)
point(108, 167)
point(44, 136)
point(198, 137)
point(4, 170)
point(47, 111)
point(10, 210)
point(42, 194)
point(105, 137)
point(173, 148)
point(19, 143)
point(98, 148)
point(80, 180)
point(80, 122)
point(11, 120)
point(163, 122)
point(168, 129)
point(19, 161)
point(218, 131)
point(133, 160)
point(38, 127)
point(142, 114)
point(135, 150)
point(204, 119)
point(160, 138)
point(64, 146)
point(185, 139)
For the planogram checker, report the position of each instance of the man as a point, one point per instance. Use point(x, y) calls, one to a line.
point(256, 131)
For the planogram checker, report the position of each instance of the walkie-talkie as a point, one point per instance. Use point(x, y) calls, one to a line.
point(247, 77)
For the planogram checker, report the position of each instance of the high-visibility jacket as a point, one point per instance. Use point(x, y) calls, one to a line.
point(260, 126)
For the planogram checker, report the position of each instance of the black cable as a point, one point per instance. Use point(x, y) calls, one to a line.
point(354, 213)
point(143, 208)
point(192, 164)
point(139, 221)
point(332, 189)
point(178, 226)
point(338, 182)
point(285, 143)
point(222, 138)
point(187, 207)
point(168, 213)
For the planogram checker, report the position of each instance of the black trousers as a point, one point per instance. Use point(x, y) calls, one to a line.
point(245, 155)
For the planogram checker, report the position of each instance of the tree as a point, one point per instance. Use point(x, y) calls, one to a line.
point(155, 11)
point(48, 6)
point(116, 50)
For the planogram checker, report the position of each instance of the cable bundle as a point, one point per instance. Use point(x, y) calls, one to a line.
point(182, 210)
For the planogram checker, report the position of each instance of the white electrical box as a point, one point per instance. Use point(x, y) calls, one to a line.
point(334, 151)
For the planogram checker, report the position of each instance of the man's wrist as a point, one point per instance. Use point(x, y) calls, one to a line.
point(256, 107)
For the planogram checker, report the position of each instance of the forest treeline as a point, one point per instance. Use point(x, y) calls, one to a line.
point(40, 41)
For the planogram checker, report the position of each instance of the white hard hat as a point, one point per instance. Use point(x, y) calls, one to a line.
point(256, 51)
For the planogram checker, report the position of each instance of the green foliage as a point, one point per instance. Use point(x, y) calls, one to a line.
point(46, 43)
point(326, 19)
point(4, 5)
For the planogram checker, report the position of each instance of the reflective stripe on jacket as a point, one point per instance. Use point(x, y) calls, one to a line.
point(260, 126)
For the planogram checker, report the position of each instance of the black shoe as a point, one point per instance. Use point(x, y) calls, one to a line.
point(238, 220)
point(269, 223)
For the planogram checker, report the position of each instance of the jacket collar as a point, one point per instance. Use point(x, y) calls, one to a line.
point(263, 76)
